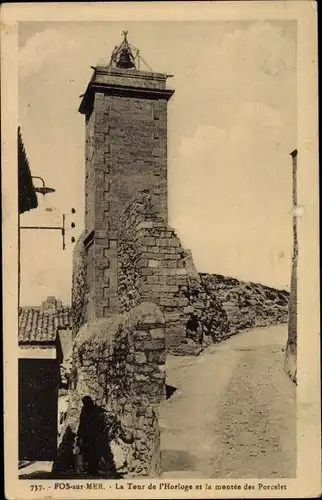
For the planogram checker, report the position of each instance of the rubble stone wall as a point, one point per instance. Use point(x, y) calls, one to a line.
point(78, 285)
point(120, 362)
point(199, 308)
point(246, 305)
point(211, 322)
point(151, 267)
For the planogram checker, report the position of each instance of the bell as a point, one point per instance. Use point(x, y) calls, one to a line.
point(125, 60)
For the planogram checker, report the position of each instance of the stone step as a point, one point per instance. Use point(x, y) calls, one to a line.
point(25, 463)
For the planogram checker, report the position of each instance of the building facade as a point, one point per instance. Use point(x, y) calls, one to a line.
point(40, 355)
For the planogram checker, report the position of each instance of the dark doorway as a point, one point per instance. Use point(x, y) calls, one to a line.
point(38, 409)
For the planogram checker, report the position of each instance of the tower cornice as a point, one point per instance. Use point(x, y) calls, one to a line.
point(122, 91)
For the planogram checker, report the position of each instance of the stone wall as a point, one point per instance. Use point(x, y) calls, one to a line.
point(199, 308)
point(78, 285)
point(290, 364)
point(246, 305)
point(152, 267)
point(120, 362)
point(208, 320)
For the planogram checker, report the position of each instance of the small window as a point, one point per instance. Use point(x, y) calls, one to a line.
point(156, 112)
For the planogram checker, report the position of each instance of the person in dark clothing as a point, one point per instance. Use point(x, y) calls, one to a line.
point(97, 428)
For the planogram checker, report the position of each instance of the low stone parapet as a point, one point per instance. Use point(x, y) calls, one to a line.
point(120, 363)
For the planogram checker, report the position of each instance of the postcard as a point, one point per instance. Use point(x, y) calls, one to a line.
point(160, 242)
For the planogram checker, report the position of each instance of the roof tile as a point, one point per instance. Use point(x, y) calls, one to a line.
point(42, 326)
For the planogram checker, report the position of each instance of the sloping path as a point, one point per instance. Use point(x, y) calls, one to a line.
point(233, 414)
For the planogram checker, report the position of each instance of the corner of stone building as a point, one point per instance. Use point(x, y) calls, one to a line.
point(78, 285)
point(190, 265)
point(290, 361)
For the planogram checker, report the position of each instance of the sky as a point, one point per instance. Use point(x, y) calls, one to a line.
point(232, 124)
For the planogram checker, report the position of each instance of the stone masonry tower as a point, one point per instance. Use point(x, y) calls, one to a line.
point(125, 112)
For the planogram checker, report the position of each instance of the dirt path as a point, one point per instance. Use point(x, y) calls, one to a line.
point(234, 411)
